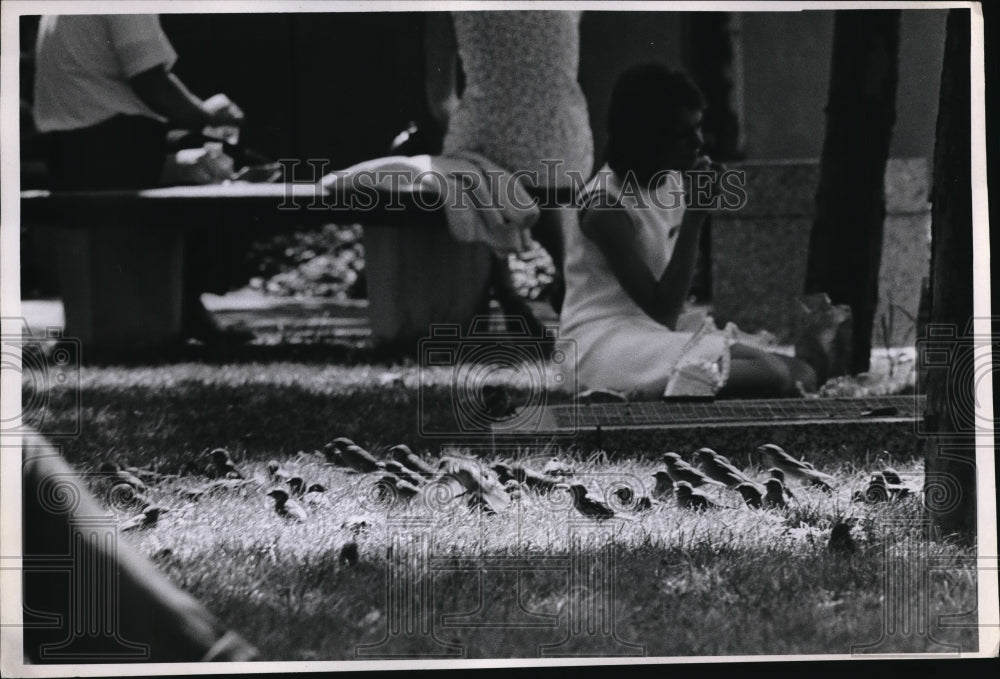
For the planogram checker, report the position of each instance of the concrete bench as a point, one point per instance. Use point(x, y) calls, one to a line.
point(119, 254)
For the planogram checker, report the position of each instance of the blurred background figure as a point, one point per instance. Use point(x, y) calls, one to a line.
point(104, 95)
point(521, 106)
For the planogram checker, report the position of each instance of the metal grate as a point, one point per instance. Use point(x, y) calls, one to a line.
point(731, 412)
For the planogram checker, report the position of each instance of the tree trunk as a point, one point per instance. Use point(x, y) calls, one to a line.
point(949, 418)
point(845, 246)
point(714, 56)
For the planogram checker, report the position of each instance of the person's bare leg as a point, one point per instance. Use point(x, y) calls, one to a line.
point(755, 373)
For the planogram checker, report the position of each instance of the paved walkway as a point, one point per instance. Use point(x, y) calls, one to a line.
point(273, 320)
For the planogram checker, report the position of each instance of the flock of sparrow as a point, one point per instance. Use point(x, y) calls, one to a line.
point(403, 476)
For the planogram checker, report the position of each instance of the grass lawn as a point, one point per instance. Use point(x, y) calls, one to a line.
point(667, 582)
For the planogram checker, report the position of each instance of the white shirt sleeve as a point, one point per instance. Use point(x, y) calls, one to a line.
point(140, 43)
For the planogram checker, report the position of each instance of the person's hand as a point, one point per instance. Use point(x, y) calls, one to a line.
point(703, 179)
point(222, 111)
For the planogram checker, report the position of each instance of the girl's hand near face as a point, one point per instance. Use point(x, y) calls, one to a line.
point(703, 179)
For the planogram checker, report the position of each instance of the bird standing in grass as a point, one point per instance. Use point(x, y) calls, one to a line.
point(224, 466)
point(664, 484)
point(402, 454)
point(314, 495)
point(719, 468)
point(297, 486)
point(776, 473)
point(689, 498)
point(529, 477)
point(892, 476)
point(390, 486)
point(555, 467)
point(588, 506)
point(775, 495)
point(150, 515)
point(113, 471)
point(751, 495)
point(403, 472)
point(627, 497)
point(359, 459)
point(277, 473)
point(680, 470)
point(285, 507)
point(514, 490)
point(841, 541)
point(332, 455)
point(480, 488)
point(796, 469)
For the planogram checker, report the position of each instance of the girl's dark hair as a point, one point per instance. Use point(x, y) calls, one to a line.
point(643, 103)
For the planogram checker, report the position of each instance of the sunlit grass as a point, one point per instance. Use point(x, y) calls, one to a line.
point(727, 581)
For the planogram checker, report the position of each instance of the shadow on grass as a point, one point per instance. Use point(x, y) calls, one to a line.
point(666, 602)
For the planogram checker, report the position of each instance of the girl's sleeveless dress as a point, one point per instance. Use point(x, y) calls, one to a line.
point(522, 103)
point(617, 345)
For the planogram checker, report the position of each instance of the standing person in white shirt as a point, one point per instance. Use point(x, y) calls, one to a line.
point(104, 96)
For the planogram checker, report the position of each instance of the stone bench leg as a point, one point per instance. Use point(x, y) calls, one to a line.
point(419, 276)
point(121, 287)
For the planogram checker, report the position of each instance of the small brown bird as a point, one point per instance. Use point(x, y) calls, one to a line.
point(664, 484)
point(555, 467)
point(224, 466)
point(796, 469)
point(775, 496)
point(313, 495)
point(359, 459)
point(776, 473)
point(402, 454)
point(114, 472)
point(482, 490)
point(349, 554)
point(332, 455)
point(297, 485)
point(679, 470)
point(719, 468)
point(688, 498)
point(535, 480)
point(391, 487)
point(588, 506)
point(150, 515)
point(628, 498)
point(277, 473)
point(892, 477)
point(513, 489)
point(841, 541)
point(751, 495)
point(287, 508)
point(403, 472)
point(504, 473)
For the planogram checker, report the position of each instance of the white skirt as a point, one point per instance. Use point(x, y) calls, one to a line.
point(645, 360)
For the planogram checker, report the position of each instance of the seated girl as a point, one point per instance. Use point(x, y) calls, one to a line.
point(629, 263)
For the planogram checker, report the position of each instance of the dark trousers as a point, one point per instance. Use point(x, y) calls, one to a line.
point(123, 152)
point(127, 153)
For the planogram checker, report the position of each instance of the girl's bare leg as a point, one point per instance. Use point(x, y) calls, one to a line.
point(755, 373)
